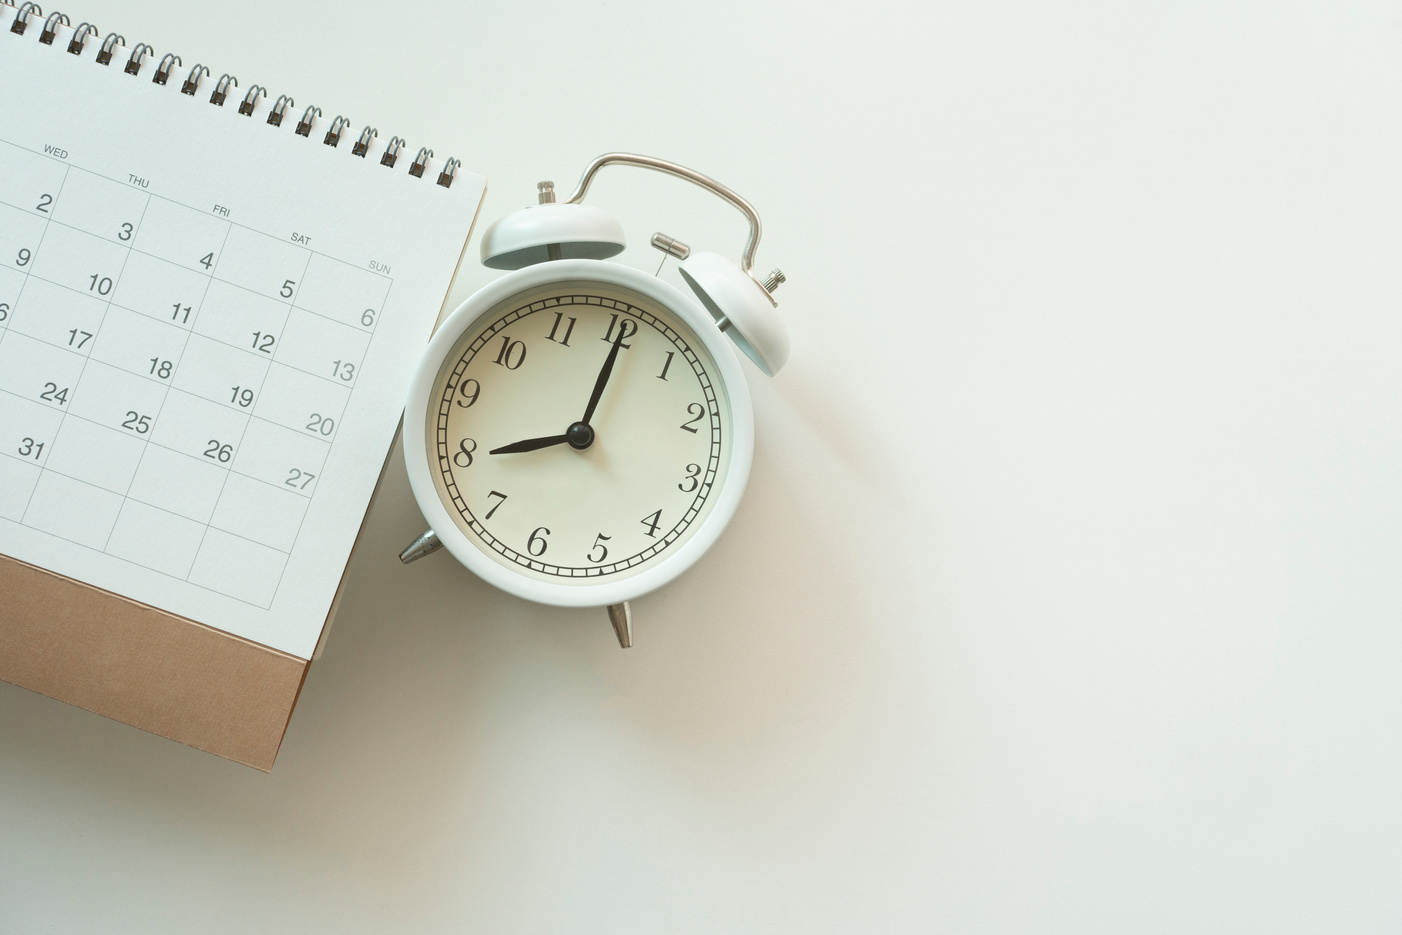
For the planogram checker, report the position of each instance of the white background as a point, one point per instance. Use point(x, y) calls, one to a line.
point(1066, 593)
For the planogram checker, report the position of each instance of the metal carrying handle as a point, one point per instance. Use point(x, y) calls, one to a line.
point(747, 256)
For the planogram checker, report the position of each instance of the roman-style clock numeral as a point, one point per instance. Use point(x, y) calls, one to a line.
point(569, 330)
point(652, 521)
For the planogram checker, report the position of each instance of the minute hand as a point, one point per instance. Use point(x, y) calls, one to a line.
point(603, 380)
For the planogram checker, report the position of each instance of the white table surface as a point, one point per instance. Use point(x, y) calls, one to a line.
point(1065, 596)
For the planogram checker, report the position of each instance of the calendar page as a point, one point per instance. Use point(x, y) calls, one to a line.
point(207, 323)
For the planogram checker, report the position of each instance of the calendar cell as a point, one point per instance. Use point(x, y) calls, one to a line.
point(178, 483)
point(242, 319)
point(100, 207)
point(17, 480)
point(57, 316)
point(139, 345)
point(301, 401)
point(343, 292)
point(27, 429)
point(241, 569)
point(119, 400)
point(96, 455)
point(262, 264)
point(220, 373)
point(161, 290)
point(322, 347)
point(199, 428)
point(11, 282)
point(155, 539)
point(283, 457)
point(29, 181)
point(38, 371)
point(186, 237)
point(259, 511)
point(88, 265)
point(20, 235)
point(72, 510)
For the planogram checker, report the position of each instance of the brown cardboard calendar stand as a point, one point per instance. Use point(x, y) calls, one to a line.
point(145, 667)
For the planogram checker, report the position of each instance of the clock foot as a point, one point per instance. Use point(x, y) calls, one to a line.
point(621, 616)
point(425, 544)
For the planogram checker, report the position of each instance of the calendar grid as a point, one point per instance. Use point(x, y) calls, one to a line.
point(237, 445)
point(161, 382)
point(48, 158)
point(24, 282)
point(30, 266)
point(107, 306)
point(256, 479)
point(331, 447)
point(174, 451)
point(154, 444)
point(126, 494)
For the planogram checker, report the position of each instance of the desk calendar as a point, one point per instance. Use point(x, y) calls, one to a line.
point(208, 315)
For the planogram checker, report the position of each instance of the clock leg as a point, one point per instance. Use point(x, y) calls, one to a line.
point(621, 616)
point(425, 544)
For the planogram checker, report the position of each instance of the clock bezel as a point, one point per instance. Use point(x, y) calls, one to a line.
point(584, 593)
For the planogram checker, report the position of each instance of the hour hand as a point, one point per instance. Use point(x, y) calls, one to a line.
point(530, 444)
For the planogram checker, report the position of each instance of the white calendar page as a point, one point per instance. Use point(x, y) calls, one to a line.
point(207, 324)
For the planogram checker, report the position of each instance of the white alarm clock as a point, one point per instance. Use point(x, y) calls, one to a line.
point(578, 432)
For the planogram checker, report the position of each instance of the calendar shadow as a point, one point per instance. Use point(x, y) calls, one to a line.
point(437, 692)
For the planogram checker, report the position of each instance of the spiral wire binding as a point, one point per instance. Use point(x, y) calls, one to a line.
point(51, 26)
point(304, 126)
point(362, 145)
point(192, 80)
point(333, 135)
point(80, 35)
point(21, 22)
point(279, 110)
point(137, 59)
point(392, 151)
point(221, 90)
point(104, 54)
point(169, 62)
point(163, 70)
point(251, 98)
point(450, 171)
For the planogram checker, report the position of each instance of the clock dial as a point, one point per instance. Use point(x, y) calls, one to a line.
point(579, 432)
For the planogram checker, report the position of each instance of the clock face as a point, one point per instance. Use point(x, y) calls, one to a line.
point(554, 480)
